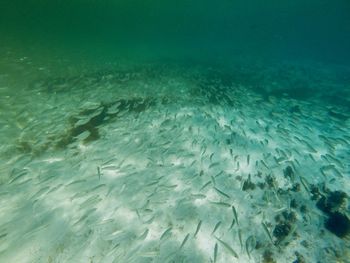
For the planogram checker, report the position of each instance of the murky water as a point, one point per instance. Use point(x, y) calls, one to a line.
point(136, 131)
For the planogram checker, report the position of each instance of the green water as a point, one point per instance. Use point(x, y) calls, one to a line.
point(184, 29)
point(174, 131)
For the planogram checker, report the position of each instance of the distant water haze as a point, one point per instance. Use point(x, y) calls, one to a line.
point(278, 29)
point(174, 131)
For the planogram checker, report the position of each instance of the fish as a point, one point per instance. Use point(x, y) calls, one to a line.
point(96, 188)
point(86, 215)
point(150, 220)
point(184, 241)
point(212, 180)
point(327, 167)
point(304, 183)
point(311, 149)
point(235, 214)
point(221, 192)
point(298, 139)
point(211, 157)
point(342, 141)
point(268, 155)
point(165, 233)
point(198, 228)
point(237, 168)
point(198, 196)
point(216, 227)
point(214, 164)
point(232, 224)
point(330, 145)
point(312, 158)
point(150, 254)
point(47, 178)
point(335, 160)
point(152, 183)
point(76, 182)
point(215, 252)
point(110, 167)
point(204, 150)
point(218, 174)
point(289, 153)
point(240, 237)
point(330, 167)
point(262, 161)
point(324, 158)
point(336, 171)
point(168, 186)
point(267, 231)
point(220, 204)
point(40, 192)
point(144, 234)
point(90, 201)
point(250, 244)
point(17, 177)
point(227, 247)
point(194, 142)
point(193, 162)
point(205, 185)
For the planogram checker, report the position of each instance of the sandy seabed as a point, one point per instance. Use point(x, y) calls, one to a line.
point(164, 163)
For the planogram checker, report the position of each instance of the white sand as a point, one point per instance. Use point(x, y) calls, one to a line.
point(110, 200)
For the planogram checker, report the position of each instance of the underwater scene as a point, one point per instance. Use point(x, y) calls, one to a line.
point(175, 131)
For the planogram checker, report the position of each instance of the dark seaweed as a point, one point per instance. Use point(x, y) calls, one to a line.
point(131, 105)
point(248, 184)
point(268, 257)
point(315, 192)
point(271, 181)
point(288, 173)
point(300, 258)
point(281, 231)
point(295, 187)
point(61, 141)
point(333, 202)
point(303, 209)
point(338, 224)
point(293, 204)
point(289, 216)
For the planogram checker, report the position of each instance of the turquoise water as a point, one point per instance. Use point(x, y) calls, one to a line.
point(155, 131)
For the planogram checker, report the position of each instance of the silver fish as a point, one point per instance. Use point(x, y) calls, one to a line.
point(198, 228)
